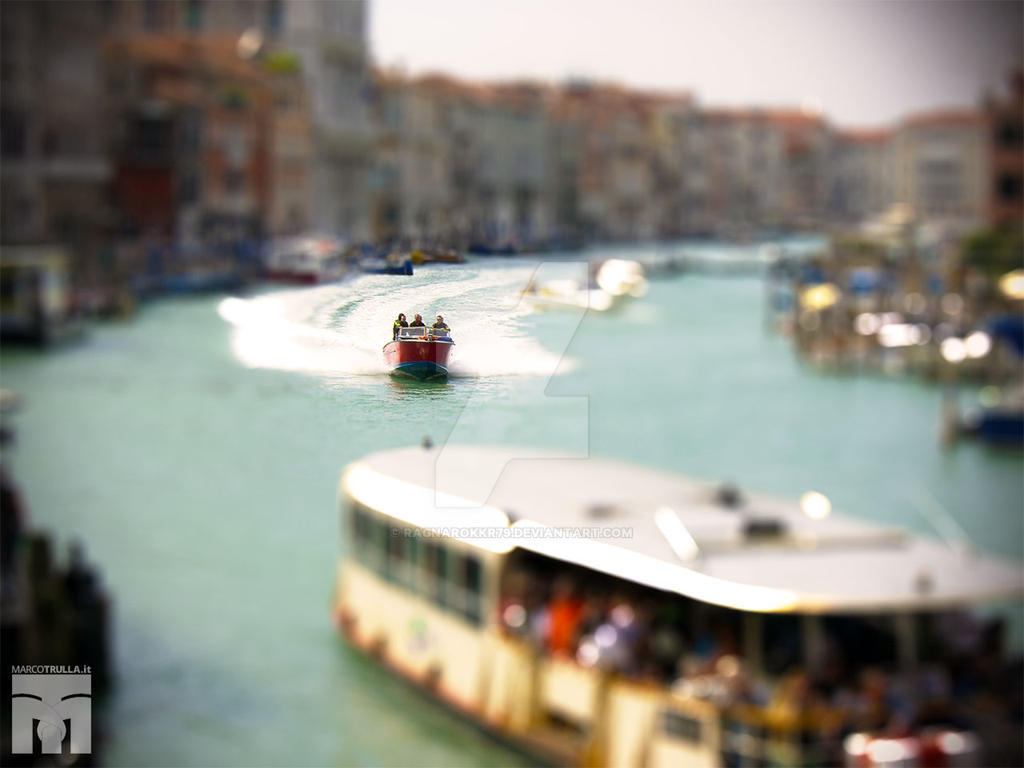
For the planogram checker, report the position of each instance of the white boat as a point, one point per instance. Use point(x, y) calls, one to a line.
point(443, 540)
point(614, 281)
point(312, 260)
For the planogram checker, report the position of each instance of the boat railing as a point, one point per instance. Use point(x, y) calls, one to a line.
point(759, 735)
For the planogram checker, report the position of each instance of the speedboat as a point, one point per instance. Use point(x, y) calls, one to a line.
point(419, 353)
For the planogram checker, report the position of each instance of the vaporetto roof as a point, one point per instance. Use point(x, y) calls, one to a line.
point(672, 533)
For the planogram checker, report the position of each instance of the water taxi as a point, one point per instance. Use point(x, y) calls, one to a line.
point(419, 353)
point(598, 613)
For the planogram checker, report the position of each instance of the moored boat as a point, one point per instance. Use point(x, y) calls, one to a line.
point(419, 353)
point(594, 612)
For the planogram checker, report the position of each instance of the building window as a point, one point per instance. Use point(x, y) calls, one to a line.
point(12, 133)
point(152, 14)
point(1008, 188)
point(194, 14)
point(189, 190)
point(1010, 134)
point(234, 180)
point(275, 16)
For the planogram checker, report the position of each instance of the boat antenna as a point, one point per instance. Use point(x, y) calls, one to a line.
point(943, 522)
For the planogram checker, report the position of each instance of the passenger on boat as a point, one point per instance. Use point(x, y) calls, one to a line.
point(417, 322)
point(440, 326)
point(399, 323)
point(564, 611)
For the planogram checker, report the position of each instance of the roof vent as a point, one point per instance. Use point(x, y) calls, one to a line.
point(729, 496)
point(764, 528)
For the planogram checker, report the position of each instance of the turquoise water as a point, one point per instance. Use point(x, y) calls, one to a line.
point(197, 452)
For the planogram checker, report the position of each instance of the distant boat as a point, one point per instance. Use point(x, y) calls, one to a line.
point(201, 281)
point(310, 260)
point(35, 301)
point(419, 353)
point(613, 281)
point(490, 249)
point(1001, 423)
point(436, 257)
point(392, 265)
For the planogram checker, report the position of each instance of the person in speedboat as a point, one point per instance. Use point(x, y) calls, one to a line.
point(417, 322)
point(399, 323)
point(440, 326)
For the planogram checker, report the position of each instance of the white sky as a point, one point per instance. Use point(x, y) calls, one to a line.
point(862, 62)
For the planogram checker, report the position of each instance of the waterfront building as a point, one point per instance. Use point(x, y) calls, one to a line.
point(861, 175)
point(56, 169)
point(806, 150)
point(190, 130)
point(330, 42)
point(745, 154)
point(942, 166)
point(411, 185)
point(1005, 118)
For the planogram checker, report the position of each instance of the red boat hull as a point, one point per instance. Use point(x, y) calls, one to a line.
point(416, 359)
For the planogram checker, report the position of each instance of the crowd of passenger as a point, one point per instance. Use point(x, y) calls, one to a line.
point(694, 648)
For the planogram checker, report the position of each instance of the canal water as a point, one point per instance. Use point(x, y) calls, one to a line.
point(197, 449)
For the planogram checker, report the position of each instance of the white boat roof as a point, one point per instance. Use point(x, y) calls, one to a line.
point(671, 533)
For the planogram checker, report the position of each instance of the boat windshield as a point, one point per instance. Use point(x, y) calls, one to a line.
point(421, 333)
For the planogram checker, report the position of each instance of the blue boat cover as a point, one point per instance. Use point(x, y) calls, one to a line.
point(1009, 328)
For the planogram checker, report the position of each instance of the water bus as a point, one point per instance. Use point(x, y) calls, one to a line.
point(419, 353)
point(598, 613)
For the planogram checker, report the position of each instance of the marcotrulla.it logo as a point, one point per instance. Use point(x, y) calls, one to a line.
point(51, 710)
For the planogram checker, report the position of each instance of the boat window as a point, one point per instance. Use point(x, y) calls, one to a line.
point(412, 554)
point(360, 528)
point(376, 544)
point(395, 565)
point(681, 726)
point(464, 593)
point(473, 581)
point(368, 538)
point(433, 574)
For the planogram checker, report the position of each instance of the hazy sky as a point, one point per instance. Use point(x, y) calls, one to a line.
point(862, 63)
